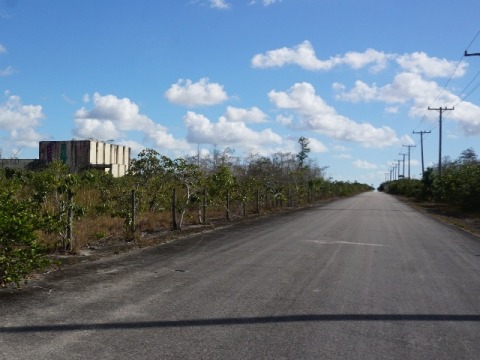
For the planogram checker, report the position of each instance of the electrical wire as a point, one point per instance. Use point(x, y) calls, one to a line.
point(435, 124)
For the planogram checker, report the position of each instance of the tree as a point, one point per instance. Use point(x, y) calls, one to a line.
point(468, 156)
point(20, 254)
point(304, 151)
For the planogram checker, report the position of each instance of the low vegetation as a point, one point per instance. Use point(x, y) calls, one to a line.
point(458, 186)
point(53, 211)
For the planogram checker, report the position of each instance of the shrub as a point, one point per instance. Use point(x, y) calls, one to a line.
point(20, 254)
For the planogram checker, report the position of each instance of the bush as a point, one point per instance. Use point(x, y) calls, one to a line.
point(20, 254)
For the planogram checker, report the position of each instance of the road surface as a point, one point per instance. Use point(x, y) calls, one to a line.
point(360, 278)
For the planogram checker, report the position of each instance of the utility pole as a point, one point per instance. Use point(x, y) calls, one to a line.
point(409, 147)
point(403, 163)
point(394, 171)
point(440, 110)
point(471, 54)
point(398, 167)
point(421, 145)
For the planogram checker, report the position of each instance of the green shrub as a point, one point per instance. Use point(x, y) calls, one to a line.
point(20, 254)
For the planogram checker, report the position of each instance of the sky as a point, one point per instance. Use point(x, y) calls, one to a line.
point(355, 77)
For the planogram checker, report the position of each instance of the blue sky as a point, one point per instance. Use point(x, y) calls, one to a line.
point(354, 77)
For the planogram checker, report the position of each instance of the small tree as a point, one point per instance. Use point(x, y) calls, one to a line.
point(304, 151)
point(20, 254)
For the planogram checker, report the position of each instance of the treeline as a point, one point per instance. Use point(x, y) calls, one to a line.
point(458, 185)
point(53, 210)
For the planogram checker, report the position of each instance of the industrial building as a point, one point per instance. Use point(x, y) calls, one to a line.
point(86, 154)
point(78, 155)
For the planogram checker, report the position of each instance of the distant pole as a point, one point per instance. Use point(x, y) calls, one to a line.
point(421, 146)
point(399, 169)
point(440, 110)
point(409, 147)
point(403, 163)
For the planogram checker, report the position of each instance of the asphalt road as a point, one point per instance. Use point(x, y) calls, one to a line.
point(361, 278)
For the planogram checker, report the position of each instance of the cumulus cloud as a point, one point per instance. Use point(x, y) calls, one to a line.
point(421, 63)
point(316, 146)
point(316, 115)
point(111, 117)
point(252, 115)
point(405, 87)
point(418, 91)
point(28, 137)
point(188, 93)
point(3, 49)
point(20, 121)
point(202, 131)
point(303, 55)
point(14, 115)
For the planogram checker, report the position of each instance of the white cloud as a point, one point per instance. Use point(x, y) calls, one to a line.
point(304, 56)
point(418, 93)
point(27, 137)
point(3, 49)
point(266, 2)
point(316, 146)
point(421, 63)
point(112, 117)
point(14, 115)
point(187, 93)
point(357, 60)
point(360, 92)
point(219, 4)
point(252, 115)
point(20, 122)
point(202, 131)
point(406, 87)
point(270, 2)
point(362, 164)
point(316, 115)
point(284, 120)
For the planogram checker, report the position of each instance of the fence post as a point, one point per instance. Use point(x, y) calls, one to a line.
point(228, 204)
point(174, 210)
point(69, 220)
point(244, 204)
point(204, 212)
point(133, 224)
point(258, 201)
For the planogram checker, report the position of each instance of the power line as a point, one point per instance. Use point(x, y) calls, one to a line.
point(449, 79)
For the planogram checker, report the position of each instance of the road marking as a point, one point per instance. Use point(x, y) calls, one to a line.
point(342, 242)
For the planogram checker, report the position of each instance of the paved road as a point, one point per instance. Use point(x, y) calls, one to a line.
point(360, 278)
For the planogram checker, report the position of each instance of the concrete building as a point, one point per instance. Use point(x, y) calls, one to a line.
point(15, 163)
point(86, 154)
